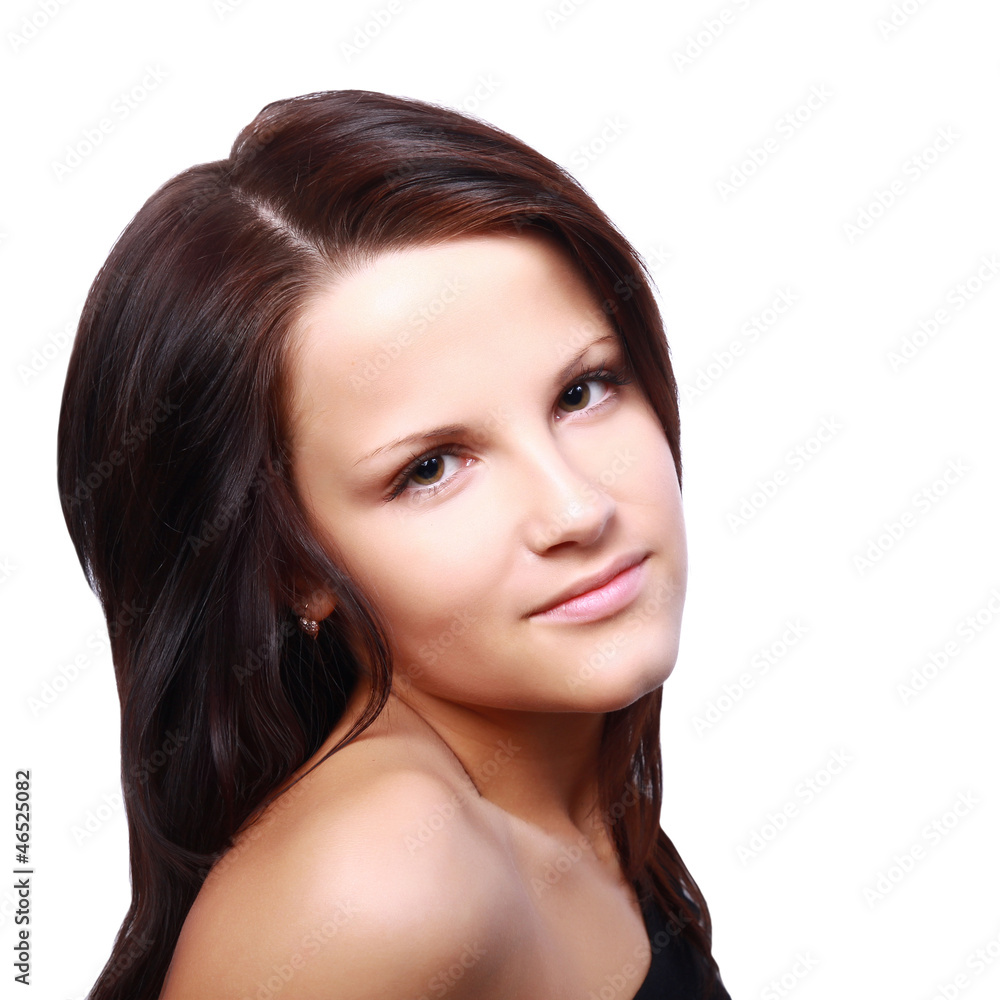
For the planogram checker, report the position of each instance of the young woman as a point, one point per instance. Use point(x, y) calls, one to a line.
point(370, 448)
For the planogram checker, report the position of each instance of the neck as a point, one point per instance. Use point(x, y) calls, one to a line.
point(540, 767)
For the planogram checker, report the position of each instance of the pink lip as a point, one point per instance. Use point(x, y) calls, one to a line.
point(603, 601)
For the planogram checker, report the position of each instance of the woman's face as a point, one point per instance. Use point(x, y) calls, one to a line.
point(461, 465)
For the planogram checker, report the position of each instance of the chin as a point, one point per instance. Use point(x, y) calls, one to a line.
point(615, 687)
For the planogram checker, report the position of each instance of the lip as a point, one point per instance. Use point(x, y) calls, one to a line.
point(600, 594)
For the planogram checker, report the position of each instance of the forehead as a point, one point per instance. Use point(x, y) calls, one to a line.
point(402, 292)
point(419, 334)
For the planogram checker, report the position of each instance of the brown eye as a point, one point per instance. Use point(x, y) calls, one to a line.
point(428, 471)
point(424, 476)
point(579, 395)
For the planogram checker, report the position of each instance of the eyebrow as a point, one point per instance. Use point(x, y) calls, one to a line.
point(456, 430)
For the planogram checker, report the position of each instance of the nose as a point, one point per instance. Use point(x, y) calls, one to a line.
point(560, 502)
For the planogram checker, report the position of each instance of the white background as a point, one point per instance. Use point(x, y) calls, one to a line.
point(600, 90)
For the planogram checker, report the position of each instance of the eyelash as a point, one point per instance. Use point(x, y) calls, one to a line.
point(612, 376)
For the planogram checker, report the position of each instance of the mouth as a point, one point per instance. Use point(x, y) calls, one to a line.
point(600, 595)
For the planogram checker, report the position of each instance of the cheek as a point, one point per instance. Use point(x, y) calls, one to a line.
point(653, 489)
point(434, 579)
point(642, 463)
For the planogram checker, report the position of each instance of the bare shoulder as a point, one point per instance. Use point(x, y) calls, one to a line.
point(377, 879)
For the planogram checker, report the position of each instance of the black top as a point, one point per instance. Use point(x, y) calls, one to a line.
point(674, 971)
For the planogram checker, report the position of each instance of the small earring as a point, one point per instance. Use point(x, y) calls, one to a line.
point(310, 627)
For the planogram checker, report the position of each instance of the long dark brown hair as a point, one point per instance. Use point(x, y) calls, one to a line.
point(173, 471)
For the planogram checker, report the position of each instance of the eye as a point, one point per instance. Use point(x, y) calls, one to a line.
point(579, 397)
point(427, 471)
